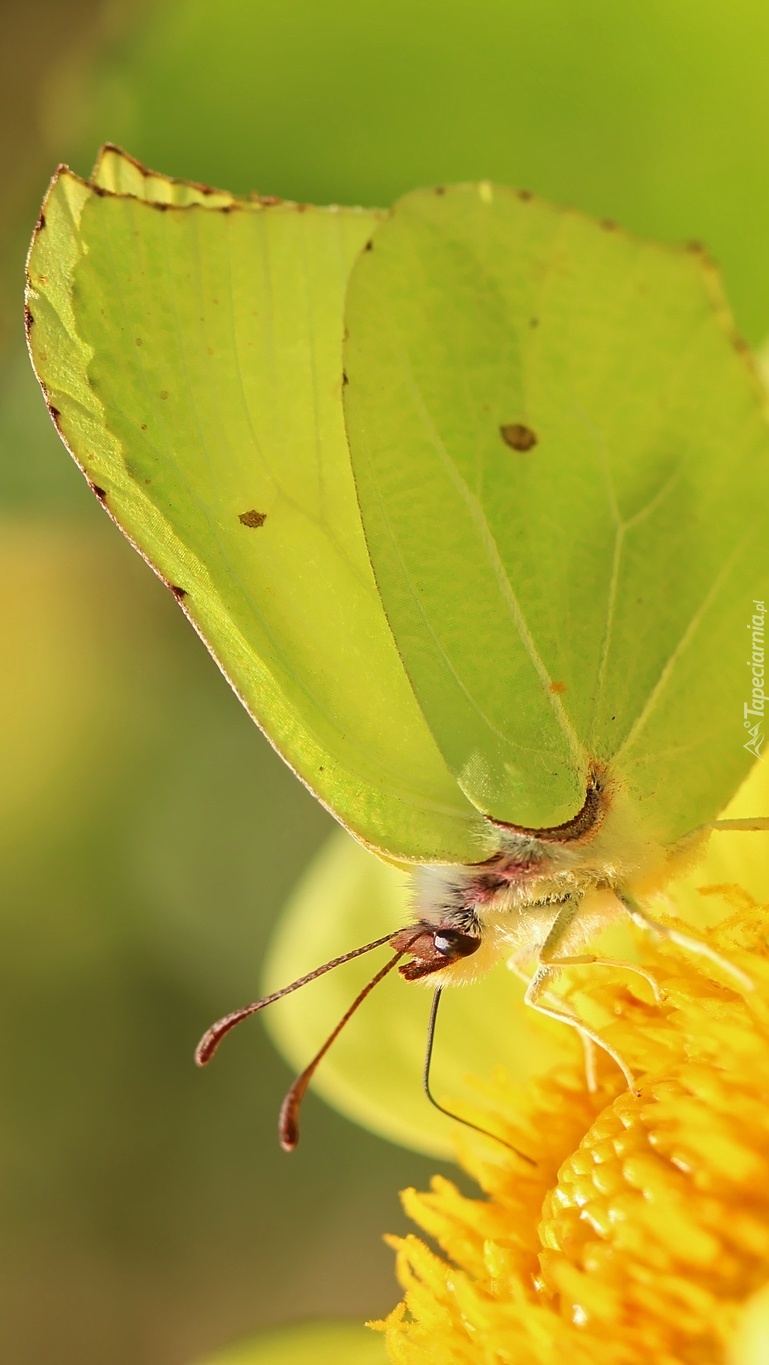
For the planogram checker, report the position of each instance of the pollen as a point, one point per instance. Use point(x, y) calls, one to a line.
point(642, 1234)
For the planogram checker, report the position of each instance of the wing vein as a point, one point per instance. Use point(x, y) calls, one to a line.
point(494, 559)
point(683, 643)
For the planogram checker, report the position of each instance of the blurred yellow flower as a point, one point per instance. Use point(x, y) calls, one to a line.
point(642, 1234)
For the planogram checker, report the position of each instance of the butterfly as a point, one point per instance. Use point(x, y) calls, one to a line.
point(470, 502)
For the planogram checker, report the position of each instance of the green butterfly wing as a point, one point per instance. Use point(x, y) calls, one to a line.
point(189, 345)
point(562, 462)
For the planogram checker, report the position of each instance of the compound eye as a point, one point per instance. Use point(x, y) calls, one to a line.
point(453, 945)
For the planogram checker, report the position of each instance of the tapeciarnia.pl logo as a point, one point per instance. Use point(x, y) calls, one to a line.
point(754, 711)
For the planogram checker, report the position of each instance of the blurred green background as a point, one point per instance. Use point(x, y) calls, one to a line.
point(148, 833)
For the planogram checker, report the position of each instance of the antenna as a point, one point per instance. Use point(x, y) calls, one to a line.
point(288, 1124)
point(213, 1037)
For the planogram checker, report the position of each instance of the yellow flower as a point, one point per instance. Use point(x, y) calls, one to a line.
point(643, 1230)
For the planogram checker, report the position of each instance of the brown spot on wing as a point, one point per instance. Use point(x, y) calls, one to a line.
point(253, 518)
point(518, 436)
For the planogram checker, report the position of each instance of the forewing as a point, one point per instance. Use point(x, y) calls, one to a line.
point(189, 345)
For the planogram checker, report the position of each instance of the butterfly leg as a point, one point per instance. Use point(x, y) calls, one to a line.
point(694, 839)
point(754, 824)
point(687, 941)
point(588, 1046)
point(549, 965)
point(548, 959)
